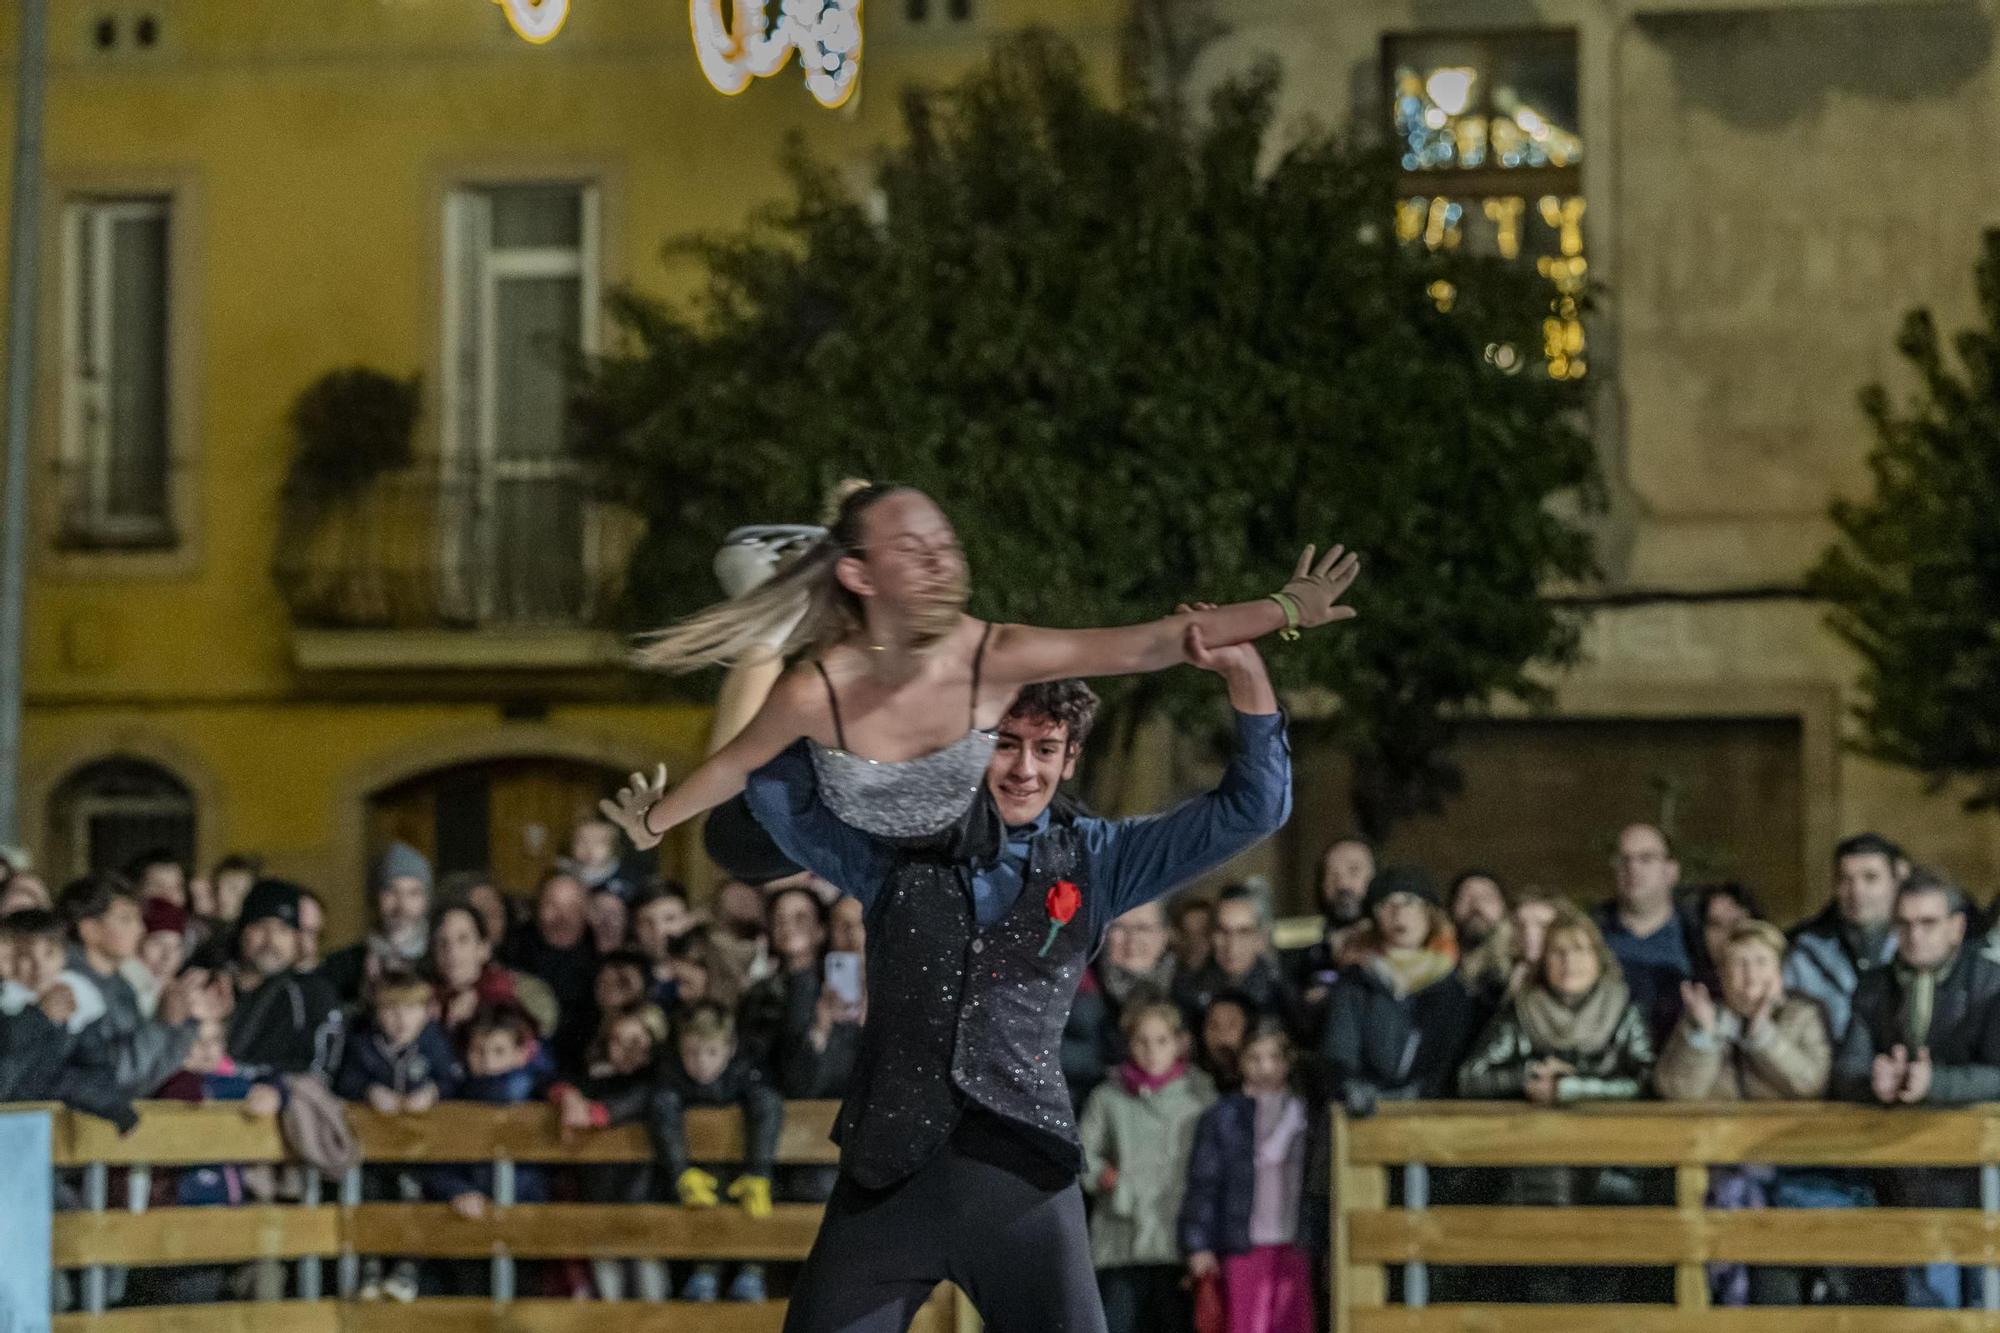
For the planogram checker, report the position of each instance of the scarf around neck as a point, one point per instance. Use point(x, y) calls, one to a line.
point(1553, 1025)
point(1136, 1080)
point(1407, 971)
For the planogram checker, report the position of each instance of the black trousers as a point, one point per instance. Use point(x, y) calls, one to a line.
point(986, 1213)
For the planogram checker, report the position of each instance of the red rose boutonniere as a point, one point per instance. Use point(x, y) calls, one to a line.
point(1063, 900)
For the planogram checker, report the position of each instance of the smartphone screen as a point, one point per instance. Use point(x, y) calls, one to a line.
point(843, 976)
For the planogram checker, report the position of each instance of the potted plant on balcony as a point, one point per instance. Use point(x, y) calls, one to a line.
point(352, 427)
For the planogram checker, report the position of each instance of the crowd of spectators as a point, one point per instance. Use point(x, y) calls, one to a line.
point(1199, 1056)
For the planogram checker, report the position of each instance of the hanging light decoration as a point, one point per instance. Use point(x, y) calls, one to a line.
point(752, 44)
point(749, 44)
point(535, 20)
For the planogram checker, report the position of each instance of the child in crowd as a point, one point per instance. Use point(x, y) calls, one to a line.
point(1246, 1185)
point(705, 1069)
point(49, 1050)
point(504, 1066)
point(617, 1090)
point(620, 984)
point(399, 1060)
point(659, 917)
point(162, 950)
point(41, 977)
point(1138, 1133)
point(1228, 1020)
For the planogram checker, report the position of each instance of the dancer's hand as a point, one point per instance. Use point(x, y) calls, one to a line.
point(1241, 657)
point(1202, 1263)
point(635, 799)
point(1318, 585)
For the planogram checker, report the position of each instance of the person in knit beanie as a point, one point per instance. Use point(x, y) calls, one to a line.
point(402, 884)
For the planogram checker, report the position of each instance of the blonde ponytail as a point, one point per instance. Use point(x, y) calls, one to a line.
point(804, 606)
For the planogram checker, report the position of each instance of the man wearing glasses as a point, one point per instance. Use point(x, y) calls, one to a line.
point(1648, 933)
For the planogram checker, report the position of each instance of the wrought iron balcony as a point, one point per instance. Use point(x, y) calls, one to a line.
point(527, 544)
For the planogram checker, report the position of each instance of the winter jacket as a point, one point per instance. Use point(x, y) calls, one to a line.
point(1222, 1179)
point(1964, 1042)
point(1618, 1070)
point(740, 1084)
point(1381, 1045)
point(40, 1061)
point(1964, 1038)
point(288, 1024)
point(1819, 964)
point(1149, 1136)
point(369, 1061)
point(1783, 1056)
point(144, 1053)
point(1263, 983)
point(513, 1088)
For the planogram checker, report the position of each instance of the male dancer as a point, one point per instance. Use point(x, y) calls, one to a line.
point(959, 1154)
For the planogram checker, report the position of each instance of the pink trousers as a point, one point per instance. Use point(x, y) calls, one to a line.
point(1268, 1290)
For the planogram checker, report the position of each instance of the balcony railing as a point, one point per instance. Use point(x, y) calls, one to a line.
point(528, 543)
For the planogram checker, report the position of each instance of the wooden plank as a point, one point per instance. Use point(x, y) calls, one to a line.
point(1663, 1236)
point(583, 1230)
point(1669, 1134)
point(171, 1134)
point(230, 1317)
point(1690, 1279)
point(473, 1315)
point(1664, 1319)
point(530, 1134)
point(195, 1235)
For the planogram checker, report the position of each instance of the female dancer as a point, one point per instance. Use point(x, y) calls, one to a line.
point(877, 606)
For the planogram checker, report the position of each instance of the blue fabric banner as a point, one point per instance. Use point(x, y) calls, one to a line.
point(26, 1208)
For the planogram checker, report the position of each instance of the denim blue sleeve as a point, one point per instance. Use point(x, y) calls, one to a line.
point(1133, 861)
point(784, 797)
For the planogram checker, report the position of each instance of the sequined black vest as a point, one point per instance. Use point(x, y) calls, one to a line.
point(957, 1014)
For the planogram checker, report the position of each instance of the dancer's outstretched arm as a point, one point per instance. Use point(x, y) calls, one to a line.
point(647, 811)
point(1024, 654)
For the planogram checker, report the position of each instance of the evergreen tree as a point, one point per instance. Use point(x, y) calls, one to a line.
point(1137, 363)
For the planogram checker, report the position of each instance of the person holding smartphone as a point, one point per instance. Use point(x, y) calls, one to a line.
point(959, 1151)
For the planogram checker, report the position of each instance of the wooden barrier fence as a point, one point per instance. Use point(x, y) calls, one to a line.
point(332, 1222)
point(1369, 1236)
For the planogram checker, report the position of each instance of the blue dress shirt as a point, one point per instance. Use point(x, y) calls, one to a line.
point(1130, 861)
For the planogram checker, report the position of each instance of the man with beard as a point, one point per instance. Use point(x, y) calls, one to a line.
point(1478, 905)
point(1346, 868)
point(285, 1021)
point(959, 1154)
point(402, 932)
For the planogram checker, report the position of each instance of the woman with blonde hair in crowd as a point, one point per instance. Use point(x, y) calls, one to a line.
point(1758, 1044)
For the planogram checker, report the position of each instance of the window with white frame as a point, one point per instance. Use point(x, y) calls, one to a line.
point(109, 811)
point(116, 444)
point(521, 291)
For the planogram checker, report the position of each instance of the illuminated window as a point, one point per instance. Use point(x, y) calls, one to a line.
point(1491, 154)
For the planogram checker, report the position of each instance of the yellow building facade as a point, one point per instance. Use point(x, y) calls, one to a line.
point(243, 196)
